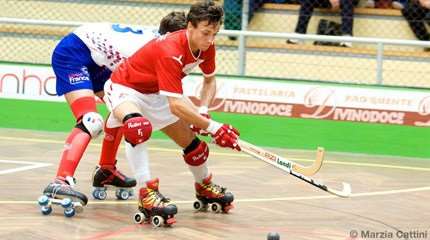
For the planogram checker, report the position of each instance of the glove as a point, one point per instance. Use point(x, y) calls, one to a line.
point(203, 110)
point(224, 135)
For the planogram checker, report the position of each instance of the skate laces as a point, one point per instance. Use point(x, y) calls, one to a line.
point(62, 184)
point(214, 188)
point(155, 198)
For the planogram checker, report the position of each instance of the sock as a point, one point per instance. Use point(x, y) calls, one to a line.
point(199, 172)
point(110, 146)
point(138, 160)
point(74, 148)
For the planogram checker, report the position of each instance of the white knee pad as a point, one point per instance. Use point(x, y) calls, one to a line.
point(93, 122)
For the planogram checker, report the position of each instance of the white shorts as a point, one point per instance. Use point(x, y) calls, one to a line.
point(153, 107)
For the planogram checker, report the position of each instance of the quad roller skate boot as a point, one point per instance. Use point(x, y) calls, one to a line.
point(60, 192)
point(154, 207)
point(110, 178)
point(215, 196)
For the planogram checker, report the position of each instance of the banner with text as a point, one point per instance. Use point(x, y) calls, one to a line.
point(260, 97)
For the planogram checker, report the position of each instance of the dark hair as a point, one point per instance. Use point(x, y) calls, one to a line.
point(205, 11)
point(172, 22)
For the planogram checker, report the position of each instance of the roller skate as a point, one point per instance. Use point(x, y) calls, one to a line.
point(215, 195)
point(154, 207)
point(61, 192)
point(110, 178)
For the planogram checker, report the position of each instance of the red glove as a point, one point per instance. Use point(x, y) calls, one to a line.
point(203, 110)
point(224, 135)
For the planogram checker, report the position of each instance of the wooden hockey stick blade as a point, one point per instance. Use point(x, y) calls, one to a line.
point(314, 168)
point(345, 192)
point(279, 161)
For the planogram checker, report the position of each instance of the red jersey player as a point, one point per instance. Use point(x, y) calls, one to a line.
point(145, 94)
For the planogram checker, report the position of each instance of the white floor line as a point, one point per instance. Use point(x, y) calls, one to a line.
point(30, 165)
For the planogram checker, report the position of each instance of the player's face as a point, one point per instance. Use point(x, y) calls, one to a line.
point(202, 36)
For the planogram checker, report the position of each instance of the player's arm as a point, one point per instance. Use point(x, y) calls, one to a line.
point(170, 86)
point(223, 134)
point(185, 112)
point(207, 93)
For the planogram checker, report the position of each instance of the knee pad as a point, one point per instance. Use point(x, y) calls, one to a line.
point(136, 129)
point(91, 123)
point(196, 153)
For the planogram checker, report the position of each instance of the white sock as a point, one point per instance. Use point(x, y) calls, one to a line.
point(138, 159)
point(199, 172)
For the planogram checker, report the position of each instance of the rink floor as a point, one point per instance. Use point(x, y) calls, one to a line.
point(390, 194)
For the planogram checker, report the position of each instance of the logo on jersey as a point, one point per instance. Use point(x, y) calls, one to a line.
point(187, 69)
point(75, 78)
point(178, 59)
point(85, 70)
point(162, 37)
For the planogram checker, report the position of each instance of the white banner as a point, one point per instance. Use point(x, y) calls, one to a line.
point(262, 97)
point(315, 95)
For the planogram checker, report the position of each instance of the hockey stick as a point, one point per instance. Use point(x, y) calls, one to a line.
point(274, 160)
point(258, 152)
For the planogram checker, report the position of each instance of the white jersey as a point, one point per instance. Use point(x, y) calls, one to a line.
point(111, 43)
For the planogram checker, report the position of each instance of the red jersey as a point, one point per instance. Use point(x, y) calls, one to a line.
point(160, 65)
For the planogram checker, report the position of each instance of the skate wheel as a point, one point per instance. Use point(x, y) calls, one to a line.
point(46, 210)
point(69, 212)
point(198, 205)
point(157, 221)
point(78, 207)
point(139, 217)
point(122, 194)
point(99, 194)
point(43, 200)
point(66, 203)
point(216, 207)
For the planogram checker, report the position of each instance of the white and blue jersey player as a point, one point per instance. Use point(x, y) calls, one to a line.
point(82, 62)
point(85, 58)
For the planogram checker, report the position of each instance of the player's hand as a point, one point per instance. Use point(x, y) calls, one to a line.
point(203, 112)
point(224, 135)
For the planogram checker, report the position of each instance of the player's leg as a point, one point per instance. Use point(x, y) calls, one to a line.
point(106, 175)
point(195, 154)
point(136, 129)
point(88, 124)
point(70, 62)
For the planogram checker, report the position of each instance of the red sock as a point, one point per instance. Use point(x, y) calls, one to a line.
point(110, 146)
point(76, 143)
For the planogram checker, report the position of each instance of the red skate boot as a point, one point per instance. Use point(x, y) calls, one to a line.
point(154, 207)
point(108, 177)
point(210, 193)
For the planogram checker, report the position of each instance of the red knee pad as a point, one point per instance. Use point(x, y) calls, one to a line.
point(137, 130)
point(198, 155)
